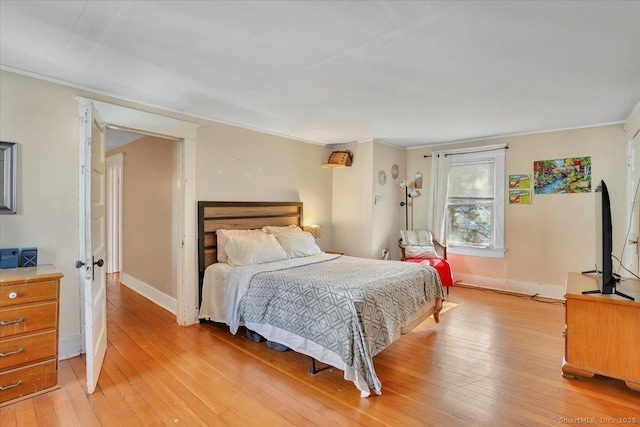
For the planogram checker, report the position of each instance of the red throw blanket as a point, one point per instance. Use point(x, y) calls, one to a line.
point(442, 266)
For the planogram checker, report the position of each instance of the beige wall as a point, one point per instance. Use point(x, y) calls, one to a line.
point(43, 119)
point(363, 228)
point(352, 203)
point(556, 233)
point(235, 164)
point(148, 201)
point(388, 218)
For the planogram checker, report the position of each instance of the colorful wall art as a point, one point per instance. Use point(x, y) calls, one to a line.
point(520, 197)
point(570, 175)
point(519, 189)
point(519, 181)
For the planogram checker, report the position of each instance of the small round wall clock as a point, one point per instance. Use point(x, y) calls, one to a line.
point(382, 177)
point(395, 171)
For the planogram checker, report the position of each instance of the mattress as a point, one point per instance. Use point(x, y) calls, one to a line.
point(339, 310)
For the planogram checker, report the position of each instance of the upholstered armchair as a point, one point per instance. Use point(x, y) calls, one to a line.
point(419, 246)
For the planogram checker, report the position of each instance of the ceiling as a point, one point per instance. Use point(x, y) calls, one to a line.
point(406, 73)
point(115, 138)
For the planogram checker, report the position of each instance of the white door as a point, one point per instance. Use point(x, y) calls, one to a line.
point(92, 238)
point(634, 232)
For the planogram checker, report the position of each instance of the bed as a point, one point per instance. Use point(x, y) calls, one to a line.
point(337, 309)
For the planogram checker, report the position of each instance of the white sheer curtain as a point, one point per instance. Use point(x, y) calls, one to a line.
point(440, 165)
point(438, 196)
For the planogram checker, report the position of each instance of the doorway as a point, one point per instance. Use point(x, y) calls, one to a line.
point(141, 122)
point(95, 117)
point(115, 213)
point(142, 221)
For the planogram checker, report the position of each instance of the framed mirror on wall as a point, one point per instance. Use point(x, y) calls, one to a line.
point(8, 177)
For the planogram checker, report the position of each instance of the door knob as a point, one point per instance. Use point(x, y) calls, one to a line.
point(79, 264)
point(99, 263)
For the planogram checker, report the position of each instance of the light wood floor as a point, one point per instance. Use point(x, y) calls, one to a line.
point(492, 361)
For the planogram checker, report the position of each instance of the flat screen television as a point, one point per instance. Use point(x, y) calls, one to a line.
point(604, 245)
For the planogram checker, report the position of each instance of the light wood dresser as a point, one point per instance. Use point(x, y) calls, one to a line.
point(29, 307)
point(602, 331)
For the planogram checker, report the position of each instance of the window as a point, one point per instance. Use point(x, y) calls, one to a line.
point(474, 211)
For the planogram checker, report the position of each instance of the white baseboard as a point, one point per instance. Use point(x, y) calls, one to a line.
point(509, 285)
point(70, 347)
point(160, 298)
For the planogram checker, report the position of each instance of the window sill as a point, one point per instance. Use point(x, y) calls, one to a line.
point(479, 252)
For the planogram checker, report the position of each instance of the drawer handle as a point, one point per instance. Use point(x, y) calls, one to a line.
point(7, 387)
point(20, 350)
point(13, 295)
point(10, 322)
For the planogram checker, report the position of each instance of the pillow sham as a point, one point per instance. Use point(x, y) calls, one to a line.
point(253, 249)
point(273, 229)
point(420, 252)
point(298, 244)
point(223, 235)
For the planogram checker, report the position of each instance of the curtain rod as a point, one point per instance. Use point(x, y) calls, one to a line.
point(479, 151)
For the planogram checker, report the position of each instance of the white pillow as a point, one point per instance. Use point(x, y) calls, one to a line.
point(223, 236)
point(420, 252)
point(298, 244)
point(273, 229)
point(416, 238)
point(258, 249)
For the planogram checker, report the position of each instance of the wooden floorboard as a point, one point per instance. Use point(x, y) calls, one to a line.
point(494, 360)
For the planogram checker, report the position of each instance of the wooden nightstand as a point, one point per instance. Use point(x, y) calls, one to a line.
point(29, 306)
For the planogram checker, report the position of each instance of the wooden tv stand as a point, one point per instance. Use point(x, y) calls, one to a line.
point(602, 331)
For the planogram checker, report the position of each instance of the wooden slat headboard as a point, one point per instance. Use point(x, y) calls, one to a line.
point(213, 216)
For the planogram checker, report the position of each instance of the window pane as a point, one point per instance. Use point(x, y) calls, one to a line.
point(469, 224)
point(471, 179)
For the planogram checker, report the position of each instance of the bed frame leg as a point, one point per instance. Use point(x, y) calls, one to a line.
point(313, 370)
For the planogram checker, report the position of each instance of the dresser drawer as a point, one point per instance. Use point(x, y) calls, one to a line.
point(27, 380)
point(29, 318)
point(27, 293)
point(15, 352)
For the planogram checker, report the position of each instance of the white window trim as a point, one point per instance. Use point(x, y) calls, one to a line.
point(497, 153)
point(481, 252)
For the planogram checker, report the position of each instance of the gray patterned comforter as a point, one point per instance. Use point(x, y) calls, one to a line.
point(350, 306)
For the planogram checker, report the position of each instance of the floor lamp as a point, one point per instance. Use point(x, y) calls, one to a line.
point(405, 184)
point(409, 193)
